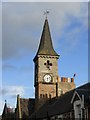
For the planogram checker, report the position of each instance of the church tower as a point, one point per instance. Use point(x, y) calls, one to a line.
point(46, 68)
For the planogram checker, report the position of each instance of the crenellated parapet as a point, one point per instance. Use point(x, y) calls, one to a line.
point(65, 84)
point(67, 79)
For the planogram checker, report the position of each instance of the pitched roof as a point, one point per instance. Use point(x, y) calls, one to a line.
point(86, 94)
point(27, 106)
point(59, 105)
point(46, 46)
point(5, 109)
point(85, 86)
point(55, 106)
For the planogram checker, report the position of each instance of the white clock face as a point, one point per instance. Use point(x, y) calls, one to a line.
point(47, 78)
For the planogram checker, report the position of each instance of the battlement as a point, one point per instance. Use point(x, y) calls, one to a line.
point(66, 79)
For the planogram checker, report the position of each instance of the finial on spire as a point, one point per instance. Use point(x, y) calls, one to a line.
point(46, 13)
point(5, 101)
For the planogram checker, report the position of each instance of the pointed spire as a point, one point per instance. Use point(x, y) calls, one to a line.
point(5, 102)
point(5, 110)
point(46, 46)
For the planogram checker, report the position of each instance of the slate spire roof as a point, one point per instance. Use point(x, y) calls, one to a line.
point(5, 109)
point(46, 46)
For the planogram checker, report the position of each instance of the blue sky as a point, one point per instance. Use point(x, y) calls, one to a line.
point(22, 24)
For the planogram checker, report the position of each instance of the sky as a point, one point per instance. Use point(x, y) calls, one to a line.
point(22, 24)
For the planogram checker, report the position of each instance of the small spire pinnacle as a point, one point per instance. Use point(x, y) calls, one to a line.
point(46, 13)
point(46, 46)
point(5, 101)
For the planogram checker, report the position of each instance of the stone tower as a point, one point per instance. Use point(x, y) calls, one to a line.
point(46, 80)
point(46, 68)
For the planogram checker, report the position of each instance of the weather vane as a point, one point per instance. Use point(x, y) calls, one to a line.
point(46, 13)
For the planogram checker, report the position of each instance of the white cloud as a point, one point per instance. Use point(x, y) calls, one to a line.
point(1, 106)
point(22, 23)
point(45, 0)
point(9, 93)
point(12, 91)
point(8, 67)
point(72, 38)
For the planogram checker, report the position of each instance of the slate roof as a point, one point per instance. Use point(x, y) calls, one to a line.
point(61, 104)
point(7, 112)
point(27, 106)
point(4, 110)
point(85, 86)
point(84, 90)
point(46, 46)
point(86, 93)
point(55, 106)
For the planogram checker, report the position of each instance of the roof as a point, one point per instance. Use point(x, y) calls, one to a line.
point(86, 93)
point(46, 46)
point(55, 106)
point(85, 86)
point(80, 94)
point(7, 111)
point(27, 106)
point(61, 104)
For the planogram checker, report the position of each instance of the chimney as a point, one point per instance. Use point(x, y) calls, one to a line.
point(18, 106)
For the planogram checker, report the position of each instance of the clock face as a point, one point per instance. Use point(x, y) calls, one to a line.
point(47, 78)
